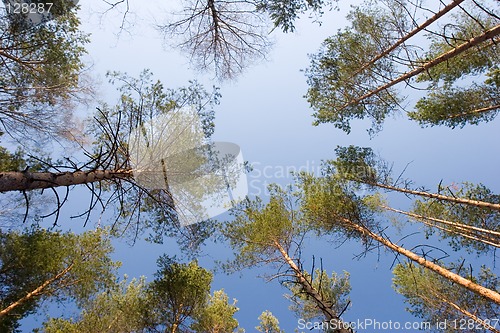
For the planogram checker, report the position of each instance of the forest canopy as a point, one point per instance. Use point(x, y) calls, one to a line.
point(104, 170)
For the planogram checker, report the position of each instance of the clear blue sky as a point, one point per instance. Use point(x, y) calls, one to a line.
point(264, 112)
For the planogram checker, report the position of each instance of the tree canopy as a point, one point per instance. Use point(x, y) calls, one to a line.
point(225, 37)
point(435, 299)
point(40, 76)
point(177, 300)
point(109, 173)
point(39, 264)
point(355, 73)
point(144, 166)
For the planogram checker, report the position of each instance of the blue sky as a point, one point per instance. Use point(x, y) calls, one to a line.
point(265, 113)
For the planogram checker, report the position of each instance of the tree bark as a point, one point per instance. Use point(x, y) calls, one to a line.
point(323, 305)
point(474, 287)
point(454, 224)
point(474, 112)
point(36, 292)
point(465, 235)
point(409, 35)
point(469, 202)
point(436, 61)
point(25, 181)
point(460, 229)
point(456, 307)
point(468, 314)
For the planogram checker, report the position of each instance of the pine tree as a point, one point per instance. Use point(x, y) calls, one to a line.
point(268, 323)
point(39, 265)
point(270, 234)
point(40, 76)
point(355, 73)
point(437, 300)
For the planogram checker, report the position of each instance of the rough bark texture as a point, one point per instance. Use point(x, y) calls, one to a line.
point(323, 305)
point(436, 61)
point(464, 230)
point(25, 181)
point(409, 35)
point(469, 314)
point(36, 292)
point(470, 202)
point(474, 287)
point(475, 112)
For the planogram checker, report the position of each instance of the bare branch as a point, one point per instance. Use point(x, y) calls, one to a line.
point(219, 35)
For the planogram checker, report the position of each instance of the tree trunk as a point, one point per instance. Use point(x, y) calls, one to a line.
point(474, 112)
point(409, 35)
point(470, 202)
point(461, 229)
point(465, 235)
point(456, 307)
point(36, 292)
point(469, 314)
point(25, 181)
point(323, 305)
point(177, 321)
point(474, 287)
point(454, 224)
point(436, 61)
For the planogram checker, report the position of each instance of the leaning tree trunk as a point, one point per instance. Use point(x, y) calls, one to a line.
point(473, 237)
point(434, 62)
point(468, 231)
point(453, 224)
point(309, 289)
point(474, 287)
point(409, 35)
point(474, 317)
point(470, 202)
point(475, 112)
point(36, 292)
point(25, 180)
